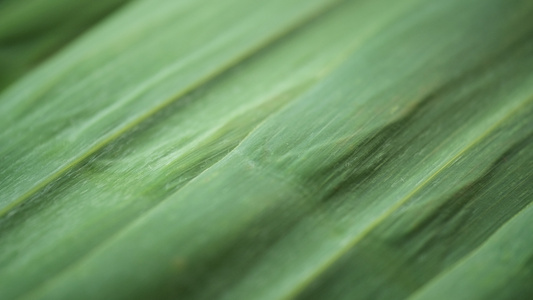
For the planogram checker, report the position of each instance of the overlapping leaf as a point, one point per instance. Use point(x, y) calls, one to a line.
point(32, 30)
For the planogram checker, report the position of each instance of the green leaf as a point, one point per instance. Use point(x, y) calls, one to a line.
point(32, 30)
point(290, 150)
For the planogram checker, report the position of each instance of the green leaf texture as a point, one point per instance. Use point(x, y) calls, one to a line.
point(32, 30)
point(283, 149)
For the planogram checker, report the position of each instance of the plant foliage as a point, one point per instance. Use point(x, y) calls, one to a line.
point(282, 149)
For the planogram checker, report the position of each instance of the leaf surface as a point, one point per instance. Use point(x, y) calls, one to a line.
point(342, 150)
